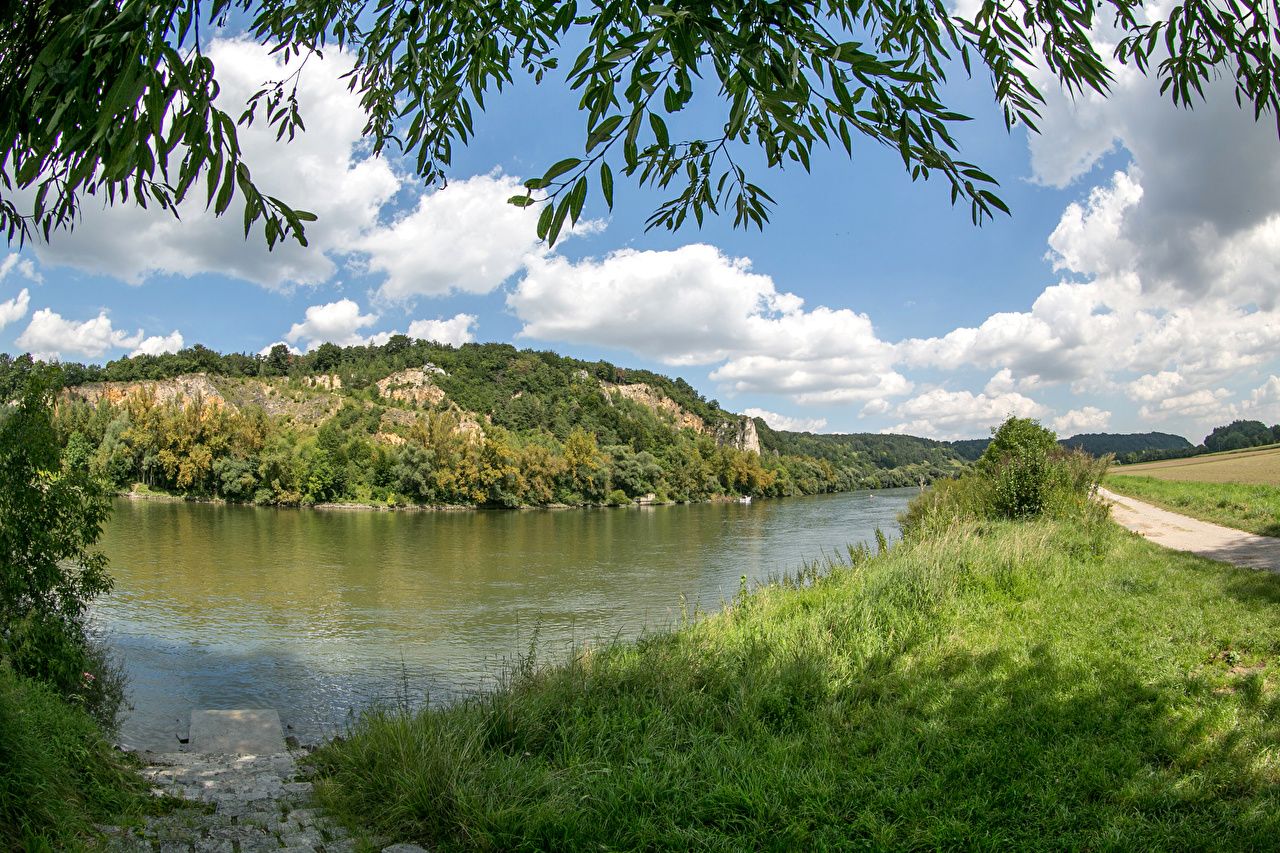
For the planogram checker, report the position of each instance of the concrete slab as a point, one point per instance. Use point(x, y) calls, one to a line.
point(245, 732)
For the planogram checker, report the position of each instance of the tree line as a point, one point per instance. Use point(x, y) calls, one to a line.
point(514, 428)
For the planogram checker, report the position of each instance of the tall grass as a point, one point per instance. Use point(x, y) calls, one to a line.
point(58, 774)
point(1251, 507)
point(1045, 684)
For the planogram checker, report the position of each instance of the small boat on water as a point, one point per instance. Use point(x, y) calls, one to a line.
point(745, 499)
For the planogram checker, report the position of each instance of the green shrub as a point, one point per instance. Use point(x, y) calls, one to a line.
point(1023, 473)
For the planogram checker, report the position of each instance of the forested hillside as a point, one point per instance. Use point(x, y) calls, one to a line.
point(1121, 445)
point(1102, 443)
point(868, 459)
point(414, 422)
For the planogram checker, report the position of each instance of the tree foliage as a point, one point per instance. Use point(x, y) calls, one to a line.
point(119, 98)
point(498, 427)
point(51, 514)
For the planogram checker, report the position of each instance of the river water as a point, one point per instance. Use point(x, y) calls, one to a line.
point(318, 612)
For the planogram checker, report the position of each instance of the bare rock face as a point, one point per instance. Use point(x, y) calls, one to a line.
point(185, 390)
point(413, 386)
point(740, 434)
point(650, 397)
point(327, 381)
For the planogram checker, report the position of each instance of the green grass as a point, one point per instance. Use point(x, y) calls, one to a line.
point(1251, 507)
point(58, 775)
point(1042, 685)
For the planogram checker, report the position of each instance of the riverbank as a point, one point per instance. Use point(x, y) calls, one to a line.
point(382, 506)
point(1007, 684)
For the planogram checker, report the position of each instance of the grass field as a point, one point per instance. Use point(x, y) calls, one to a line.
point(1257, 465)
point(1034, 686)
point(1255, 508)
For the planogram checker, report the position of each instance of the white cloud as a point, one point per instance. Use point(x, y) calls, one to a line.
point(961, 414)
point(26, 269)
point(461, 238)
point(693, 306)
point(1264, 402)
point(269, 347)
point(334, 322)
point(786, 422)
point(50, 336)
point(457, 330)
point(321, 170)
point(157, 344)
point(1198, 406)
point(1086, 419)
point(12, 310)
point(1155, 386)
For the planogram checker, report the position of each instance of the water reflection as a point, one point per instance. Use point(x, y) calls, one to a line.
point(314, 612)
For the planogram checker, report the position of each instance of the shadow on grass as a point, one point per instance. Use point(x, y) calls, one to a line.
point(983, 749)
point(1013, 748)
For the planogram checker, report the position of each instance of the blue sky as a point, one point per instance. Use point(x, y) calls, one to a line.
point(1132, 289)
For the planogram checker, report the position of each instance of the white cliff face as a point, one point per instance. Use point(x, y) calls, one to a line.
point(740, 434)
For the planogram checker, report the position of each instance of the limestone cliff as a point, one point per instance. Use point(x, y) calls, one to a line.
point(740, 434)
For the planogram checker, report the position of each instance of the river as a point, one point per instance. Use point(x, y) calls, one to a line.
point(319, 612)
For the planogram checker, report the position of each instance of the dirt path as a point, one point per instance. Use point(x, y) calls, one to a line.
point(1189, 534)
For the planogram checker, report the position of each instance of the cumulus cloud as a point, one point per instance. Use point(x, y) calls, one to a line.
point(1086, 419)
point(696, 306)
point(158, 344)
point(1263, 402)
point(961, 414)
point(787, 422)
point(12, 310)
point(23, 266)
point(461, 238)
point(334, 322)
point(456, 331)
point(1198, 406)
point(321, 170)
point(269, 347)
point(49, 335)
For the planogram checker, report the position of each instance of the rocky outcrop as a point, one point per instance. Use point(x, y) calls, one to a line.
point(412, 386)
point(327, 381)
point(273, 396)
point(652, 398)
point(184, 390)
point(740, 433)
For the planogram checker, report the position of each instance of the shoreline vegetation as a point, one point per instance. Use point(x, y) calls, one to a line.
point(417, 423)
point(1017, 672)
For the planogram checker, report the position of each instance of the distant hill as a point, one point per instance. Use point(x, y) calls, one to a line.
point(869, 459)
point(1122, 445)
point(416, 422)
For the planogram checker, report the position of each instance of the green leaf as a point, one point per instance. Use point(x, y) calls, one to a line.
point(560, 168)
point(606, 184)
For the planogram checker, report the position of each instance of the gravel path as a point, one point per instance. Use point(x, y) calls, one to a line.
point(1189, 534)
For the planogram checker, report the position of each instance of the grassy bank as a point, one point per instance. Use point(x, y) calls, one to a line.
point(1039, 684)
point(58, 775)
point(1251, 507)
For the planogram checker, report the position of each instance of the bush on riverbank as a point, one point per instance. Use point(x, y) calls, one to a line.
point(1040, 684)
point(58, 774)
point(1023, 473)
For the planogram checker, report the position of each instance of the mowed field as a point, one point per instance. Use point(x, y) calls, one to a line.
point(1257, 465)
